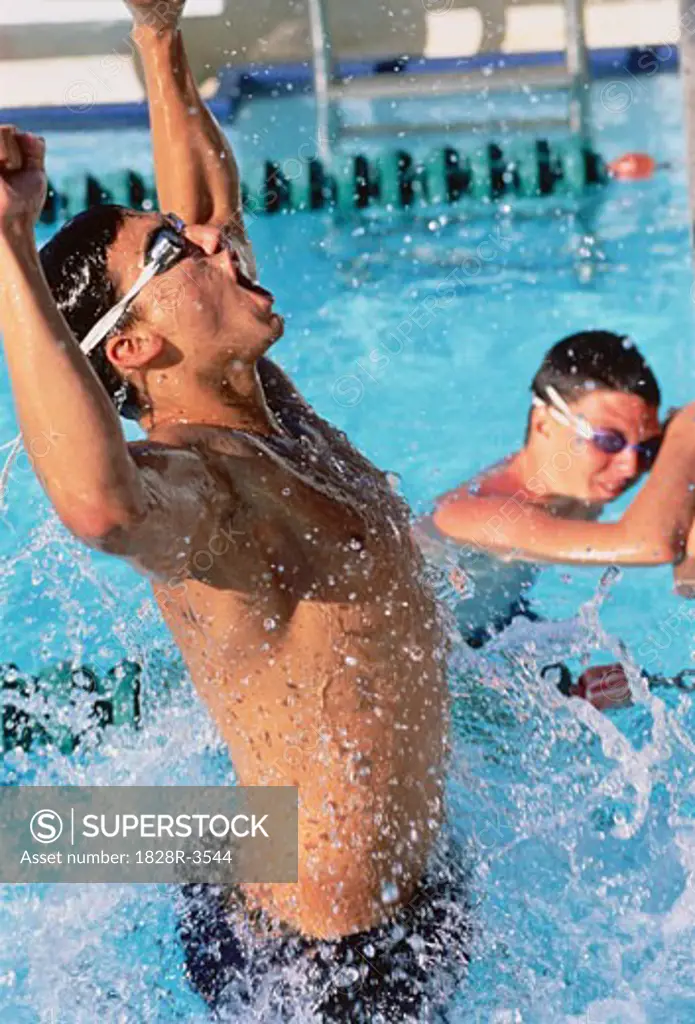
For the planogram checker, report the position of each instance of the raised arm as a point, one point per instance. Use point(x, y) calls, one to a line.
point(69, 427)
point(652, 531)
point(196, 173)
point(105, 495)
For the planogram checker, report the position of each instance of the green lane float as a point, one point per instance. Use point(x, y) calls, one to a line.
point(394, 179)
point(524, 168)
point(41, 710)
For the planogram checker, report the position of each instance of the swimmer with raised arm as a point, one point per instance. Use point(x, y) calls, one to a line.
point(593, 429)
point(312, 637)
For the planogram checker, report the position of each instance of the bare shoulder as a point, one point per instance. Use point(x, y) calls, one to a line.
point(183, 473)
point(499, 480)
point(216, 463)
point(166, 466)
point(185, 500)
point(186, 446)
point(161, 456)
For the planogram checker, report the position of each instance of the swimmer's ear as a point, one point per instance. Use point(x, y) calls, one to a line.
point(540, 421)
point(134, 349)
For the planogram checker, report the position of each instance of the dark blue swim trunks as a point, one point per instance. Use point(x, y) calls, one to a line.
point(477, 638)
point(403, 971)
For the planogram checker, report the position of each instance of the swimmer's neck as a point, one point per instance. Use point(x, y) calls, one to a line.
point(235, 400)
point(524, 466)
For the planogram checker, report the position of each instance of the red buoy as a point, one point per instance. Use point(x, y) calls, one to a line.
point(633, 167)
point(604, 686)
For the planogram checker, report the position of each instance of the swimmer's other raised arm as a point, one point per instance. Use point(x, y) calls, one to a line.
point(105, 494)
point(196, 173)
point(652, 531)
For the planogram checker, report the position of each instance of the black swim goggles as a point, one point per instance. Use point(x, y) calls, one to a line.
point(608, 440)
point(167, 246)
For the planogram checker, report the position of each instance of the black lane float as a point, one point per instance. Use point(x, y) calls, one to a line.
point(526, 168)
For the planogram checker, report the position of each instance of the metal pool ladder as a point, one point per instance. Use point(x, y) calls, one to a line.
point(572, 79)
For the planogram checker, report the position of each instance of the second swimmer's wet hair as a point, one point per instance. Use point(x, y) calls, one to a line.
point(596, 359)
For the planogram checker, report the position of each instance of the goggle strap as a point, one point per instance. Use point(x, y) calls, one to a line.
point(107, 322)
point(540, 403)
point(561, 405)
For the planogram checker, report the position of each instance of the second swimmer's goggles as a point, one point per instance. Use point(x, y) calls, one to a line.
point(608, 440)
point(168, 246)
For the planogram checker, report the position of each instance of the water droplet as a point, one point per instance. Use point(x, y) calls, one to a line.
point(349, 660)
point(389, 892)
point(269, 625)
point(346, 976)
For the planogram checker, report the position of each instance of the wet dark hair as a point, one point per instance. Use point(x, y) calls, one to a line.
point(595, 359)
point(74, 262)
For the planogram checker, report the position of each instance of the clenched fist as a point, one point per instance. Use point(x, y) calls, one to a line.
point(22, 177)
point(156, 14)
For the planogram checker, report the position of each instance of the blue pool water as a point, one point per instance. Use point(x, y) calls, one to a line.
point(580, 827)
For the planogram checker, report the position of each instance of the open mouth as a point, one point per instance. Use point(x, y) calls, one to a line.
point(614, 489)
point(253, 286)
point(244, 280)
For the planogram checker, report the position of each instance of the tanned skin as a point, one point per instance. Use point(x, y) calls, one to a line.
point(299, 609)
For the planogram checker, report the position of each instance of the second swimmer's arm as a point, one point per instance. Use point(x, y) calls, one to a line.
point(684, 571)
point(197, 175)
point(651, 532)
